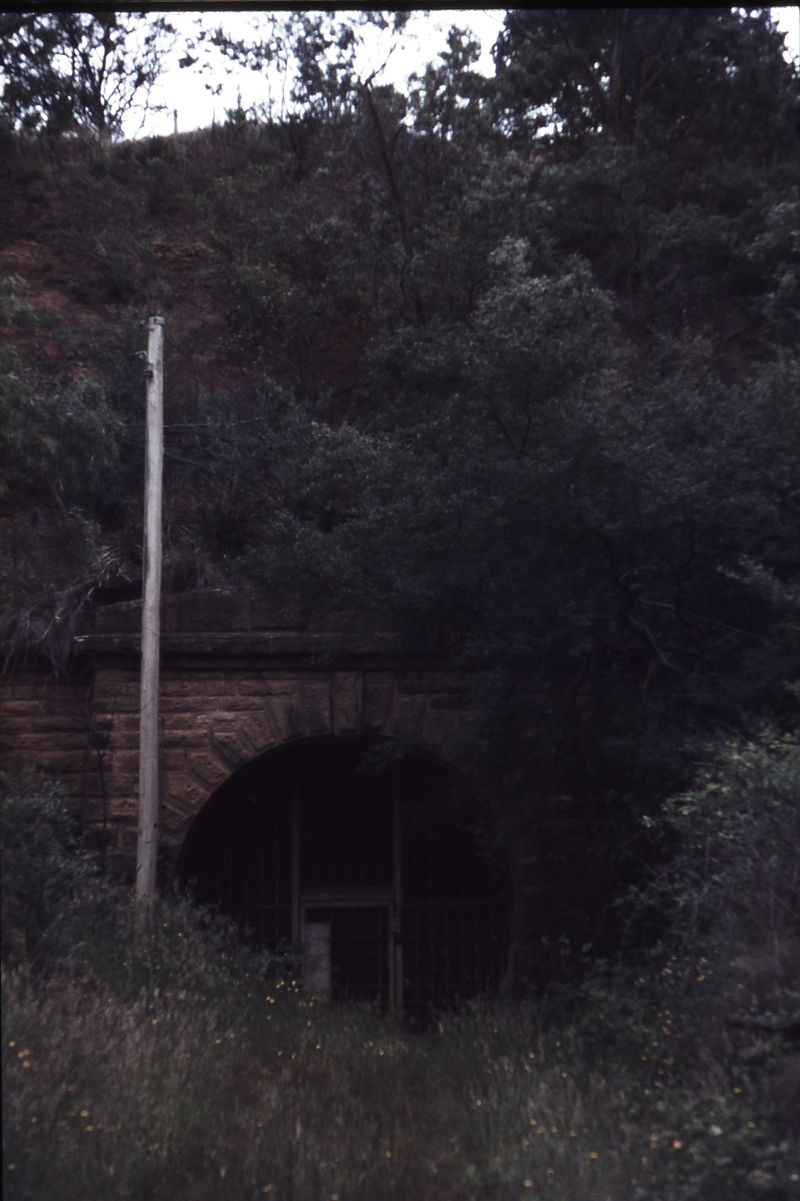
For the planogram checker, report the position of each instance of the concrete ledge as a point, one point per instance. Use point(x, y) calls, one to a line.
point(249, 644)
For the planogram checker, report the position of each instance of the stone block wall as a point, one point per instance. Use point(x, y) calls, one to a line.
point(48, 727)
point(216, 715)
point(235, 683)
point(214, 718)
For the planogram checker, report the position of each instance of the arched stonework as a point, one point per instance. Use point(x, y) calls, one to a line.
point(216, 719)
point(234, 684)
point(369, 857)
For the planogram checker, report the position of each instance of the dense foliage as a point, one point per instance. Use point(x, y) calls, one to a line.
point(154, 1055)
point(43, 863)
point(77, 71)
point(509, 365)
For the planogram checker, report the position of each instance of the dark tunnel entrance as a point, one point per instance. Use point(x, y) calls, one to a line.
point(369, 860)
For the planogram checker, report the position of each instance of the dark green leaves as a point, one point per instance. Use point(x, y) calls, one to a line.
point(68, 71)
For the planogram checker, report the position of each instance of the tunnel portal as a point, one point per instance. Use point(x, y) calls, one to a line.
point(366, 857)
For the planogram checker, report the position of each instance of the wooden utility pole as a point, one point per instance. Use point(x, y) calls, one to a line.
point(147, 840)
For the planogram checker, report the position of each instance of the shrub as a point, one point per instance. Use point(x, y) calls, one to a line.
point(151, 1054)
point(264, 1092)
point(728, 899)
point(43, 863)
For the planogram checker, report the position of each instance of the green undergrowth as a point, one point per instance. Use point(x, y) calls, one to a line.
point(152, 1054)
point(161, 1058)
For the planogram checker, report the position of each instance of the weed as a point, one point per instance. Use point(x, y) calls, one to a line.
point(170, 1061)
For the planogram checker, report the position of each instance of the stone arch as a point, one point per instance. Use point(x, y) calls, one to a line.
point(365, 844)
point(215, 725)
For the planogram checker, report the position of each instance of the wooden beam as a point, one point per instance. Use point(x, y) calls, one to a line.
point(147, 837)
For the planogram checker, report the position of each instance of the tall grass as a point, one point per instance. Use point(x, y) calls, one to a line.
point(162, 1058)
point(170, 1061)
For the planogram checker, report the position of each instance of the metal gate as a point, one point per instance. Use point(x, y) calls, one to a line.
point(375, 874)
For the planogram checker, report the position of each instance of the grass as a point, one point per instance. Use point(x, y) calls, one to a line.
point(160, 1057)
point(171, 1062)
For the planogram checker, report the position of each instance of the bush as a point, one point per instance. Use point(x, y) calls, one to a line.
point(44, 866)
point(264, 1092)
point(150, 1053)
point(730, 893)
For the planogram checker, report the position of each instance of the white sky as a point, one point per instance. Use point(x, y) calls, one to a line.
point(423, 39)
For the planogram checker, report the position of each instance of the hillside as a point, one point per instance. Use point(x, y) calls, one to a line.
point(528, 398)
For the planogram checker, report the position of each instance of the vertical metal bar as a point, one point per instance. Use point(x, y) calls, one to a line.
point(391, 933)
point(147, 836)
point(317, 937)
point(396, 934)
point(295, 852)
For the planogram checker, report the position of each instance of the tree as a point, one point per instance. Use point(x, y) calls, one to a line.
point(70, 71)
point(676, 75)
point(314, 52)
point(672, 135)
point(556, 459)
point(530, 401)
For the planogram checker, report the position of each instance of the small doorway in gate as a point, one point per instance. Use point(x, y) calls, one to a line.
point(350, 950)
point(370, 861)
